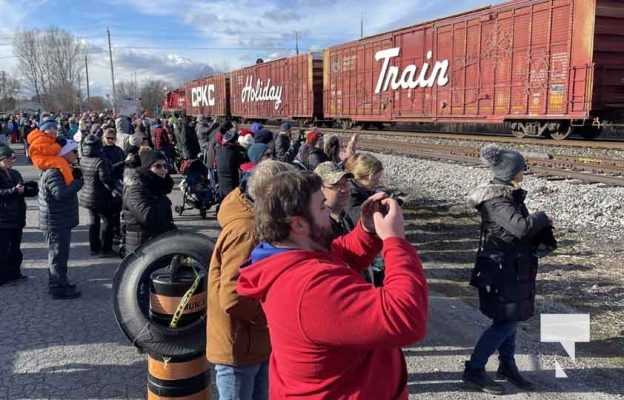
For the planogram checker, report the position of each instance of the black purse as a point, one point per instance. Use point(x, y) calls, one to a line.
point(484, 270)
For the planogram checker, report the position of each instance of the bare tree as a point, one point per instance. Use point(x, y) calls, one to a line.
point(127, 90)
point(152, 94)
point(98, 103)
point(9, 88)
point(50, 62)
point(25, 48)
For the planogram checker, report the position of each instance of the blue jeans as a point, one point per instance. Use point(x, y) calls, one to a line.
point(250, 382)
point(499, 336)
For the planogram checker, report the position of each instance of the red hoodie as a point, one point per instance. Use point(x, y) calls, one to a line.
point(335, 336)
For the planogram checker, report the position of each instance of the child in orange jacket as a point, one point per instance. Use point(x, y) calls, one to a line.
point(43, 149)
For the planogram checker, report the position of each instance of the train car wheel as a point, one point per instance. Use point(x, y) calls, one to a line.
point(562, 133)
point(346, 124)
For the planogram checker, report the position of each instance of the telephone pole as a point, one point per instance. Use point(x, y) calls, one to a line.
point(110, 53)
point(362, 26)
point(87, 71)
point(297, 42)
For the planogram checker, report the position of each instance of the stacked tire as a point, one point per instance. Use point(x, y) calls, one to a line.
point(147, 290)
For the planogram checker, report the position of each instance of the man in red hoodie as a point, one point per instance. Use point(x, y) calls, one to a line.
point(333, 335)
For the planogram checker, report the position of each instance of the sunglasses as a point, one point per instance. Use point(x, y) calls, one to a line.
point(160, 166)
point(109, 138)
point(267, 155)
point(11, 157)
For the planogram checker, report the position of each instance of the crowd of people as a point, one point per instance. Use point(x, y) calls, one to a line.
point(312, 287)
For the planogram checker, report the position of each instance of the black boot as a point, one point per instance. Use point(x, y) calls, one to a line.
point(476, 378)
point(509, 370)
point(64, 292)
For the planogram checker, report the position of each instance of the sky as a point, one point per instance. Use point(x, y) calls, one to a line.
point(180, 40)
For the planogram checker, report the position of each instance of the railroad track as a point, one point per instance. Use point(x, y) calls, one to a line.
point(607, 144)
point(552, 167)
point(549, 166)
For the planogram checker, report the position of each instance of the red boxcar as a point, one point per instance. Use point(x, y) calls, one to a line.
point(543, 66)
point(208, 96)
point(174, 101)
point(289, 88)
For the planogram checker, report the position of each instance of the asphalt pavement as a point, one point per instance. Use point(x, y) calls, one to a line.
point(74, 349)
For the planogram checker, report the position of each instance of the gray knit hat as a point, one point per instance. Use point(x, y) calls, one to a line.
point(505, 164)
point(5, 151)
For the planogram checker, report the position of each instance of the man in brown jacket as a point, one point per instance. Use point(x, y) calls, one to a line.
point(237, 333)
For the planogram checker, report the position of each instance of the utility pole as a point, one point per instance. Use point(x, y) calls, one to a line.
point(297, 41)
point(362, 26)
point(4, 94)
point(110, 53)
point(87, 71)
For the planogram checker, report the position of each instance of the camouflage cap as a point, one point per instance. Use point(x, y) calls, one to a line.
point(331, 172)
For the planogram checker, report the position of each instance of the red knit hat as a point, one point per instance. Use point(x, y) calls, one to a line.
point(313, 137)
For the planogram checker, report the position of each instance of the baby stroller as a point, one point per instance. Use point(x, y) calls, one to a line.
point(197, 189)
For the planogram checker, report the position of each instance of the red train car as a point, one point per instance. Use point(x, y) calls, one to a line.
point(543, 66)
point(174, 101)
point(288, 88)
point(208, 96)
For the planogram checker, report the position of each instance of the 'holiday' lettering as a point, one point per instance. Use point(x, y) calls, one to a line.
point(203, 96)
point(407, 79)
point(261, 92)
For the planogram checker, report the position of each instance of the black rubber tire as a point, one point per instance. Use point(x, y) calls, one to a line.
point(178, 209)
point(131, 294)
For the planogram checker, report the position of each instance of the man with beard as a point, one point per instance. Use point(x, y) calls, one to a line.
point(336, 336)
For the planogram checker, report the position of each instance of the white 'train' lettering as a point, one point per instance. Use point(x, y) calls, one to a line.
point(393, 77)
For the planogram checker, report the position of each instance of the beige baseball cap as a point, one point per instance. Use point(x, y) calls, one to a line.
point(331, 172)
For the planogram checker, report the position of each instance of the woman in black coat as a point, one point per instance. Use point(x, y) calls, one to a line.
point(506, 267)
point(229, 160)
point(12, 216)
point(97, 196)
point(146, 209)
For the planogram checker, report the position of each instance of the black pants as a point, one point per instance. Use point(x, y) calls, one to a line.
point(116, 216)
point(58, 255)
point(101, 234)
point(10, 254)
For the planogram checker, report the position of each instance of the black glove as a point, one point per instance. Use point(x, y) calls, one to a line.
point(61, 141)
point(77, 172)
point(301, 136)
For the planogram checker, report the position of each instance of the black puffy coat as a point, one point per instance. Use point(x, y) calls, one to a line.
point(229, 160)
point(285, 149)
point(191, 142)
point(58, 201)
point(316, 157)
point(506, 267)
point(146, 211)
point(96, 194)
point(116, 158)
point(12, 204)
